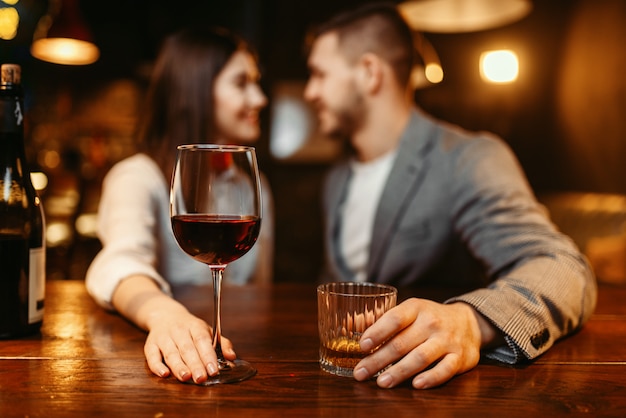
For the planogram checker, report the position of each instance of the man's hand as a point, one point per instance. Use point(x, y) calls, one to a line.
point(426, 340)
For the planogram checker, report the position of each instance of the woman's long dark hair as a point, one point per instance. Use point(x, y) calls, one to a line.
point(180, 108)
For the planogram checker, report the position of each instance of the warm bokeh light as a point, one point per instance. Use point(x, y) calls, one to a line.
point(65, 51)
point(422, 77)
point(11, 2)
point(86, 225)
point(39, 180)
point(58, 233)
point(434, 73)
point(62, 204)
point(51, 159)
point(456, 16)
point(499, 66)
point(9, 22)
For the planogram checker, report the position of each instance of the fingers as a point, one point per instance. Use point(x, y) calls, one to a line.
point(408, 350)
point(392, 322)
point(443, 371)
point(154, 359)
point(227, 349)
point(426, 364)
point(421, 339)
point(395, 336)
point(199, 352)
point(161, 353)
point(187, 352)
point(420, 360)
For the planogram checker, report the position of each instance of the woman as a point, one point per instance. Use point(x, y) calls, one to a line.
point(204, 88)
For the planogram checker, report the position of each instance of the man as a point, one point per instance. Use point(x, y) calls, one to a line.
point(425, 203)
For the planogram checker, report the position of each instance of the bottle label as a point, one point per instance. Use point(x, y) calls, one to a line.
point(37, 284)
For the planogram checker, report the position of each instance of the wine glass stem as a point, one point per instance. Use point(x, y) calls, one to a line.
point(217, 273)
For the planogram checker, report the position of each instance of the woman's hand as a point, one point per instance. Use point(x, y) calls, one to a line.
point(181, 343)
point(178, 342)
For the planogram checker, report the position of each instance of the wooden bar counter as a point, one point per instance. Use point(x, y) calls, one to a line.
point(89, 363)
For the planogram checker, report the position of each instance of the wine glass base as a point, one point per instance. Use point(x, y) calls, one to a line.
point(231, 372)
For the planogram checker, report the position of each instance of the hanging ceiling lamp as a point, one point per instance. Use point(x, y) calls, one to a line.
point(62, 37)
point(451, 16)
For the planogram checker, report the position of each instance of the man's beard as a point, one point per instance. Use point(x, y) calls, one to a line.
point(348, 120)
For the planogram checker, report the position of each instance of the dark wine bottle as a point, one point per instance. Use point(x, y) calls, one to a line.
point(22, 222)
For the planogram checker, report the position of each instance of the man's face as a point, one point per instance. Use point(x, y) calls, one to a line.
point(332, 88)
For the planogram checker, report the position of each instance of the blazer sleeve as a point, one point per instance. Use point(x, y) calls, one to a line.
point(542, 288)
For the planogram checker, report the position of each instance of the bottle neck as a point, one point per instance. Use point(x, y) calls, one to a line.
point(13, 163)
point(11, 122)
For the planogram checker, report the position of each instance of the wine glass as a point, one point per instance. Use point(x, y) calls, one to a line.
point(215, 209)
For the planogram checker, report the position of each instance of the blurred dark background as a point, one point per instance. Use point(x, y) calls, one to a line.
point(563, 117)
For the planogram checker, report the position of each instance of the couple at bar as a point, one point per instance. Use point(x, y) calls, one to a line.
point(418, 202)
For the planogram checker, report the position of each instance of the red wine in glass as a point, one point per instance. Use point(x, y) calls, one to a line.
point(215, 239)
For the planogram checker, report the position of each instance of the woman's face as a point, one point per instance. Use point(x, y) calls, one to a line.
point(238, 100)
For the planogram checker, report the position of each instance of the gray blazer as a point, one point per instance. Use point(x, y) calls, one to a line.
point(457, 211)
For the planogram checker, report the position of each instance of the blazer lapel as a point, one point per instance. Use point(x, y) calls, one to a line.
point(404, 179)
point(336, 196)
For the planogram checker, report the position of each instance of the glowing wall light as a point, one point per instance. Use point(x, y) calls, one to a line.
point(9, 22)
point(499, 67)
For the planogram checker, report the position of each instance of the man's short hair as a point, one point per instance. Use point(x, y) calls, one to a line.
point(377, 28)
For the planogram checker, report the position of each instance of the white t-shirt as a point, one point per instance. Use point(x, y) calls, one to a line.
point(359, 209)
